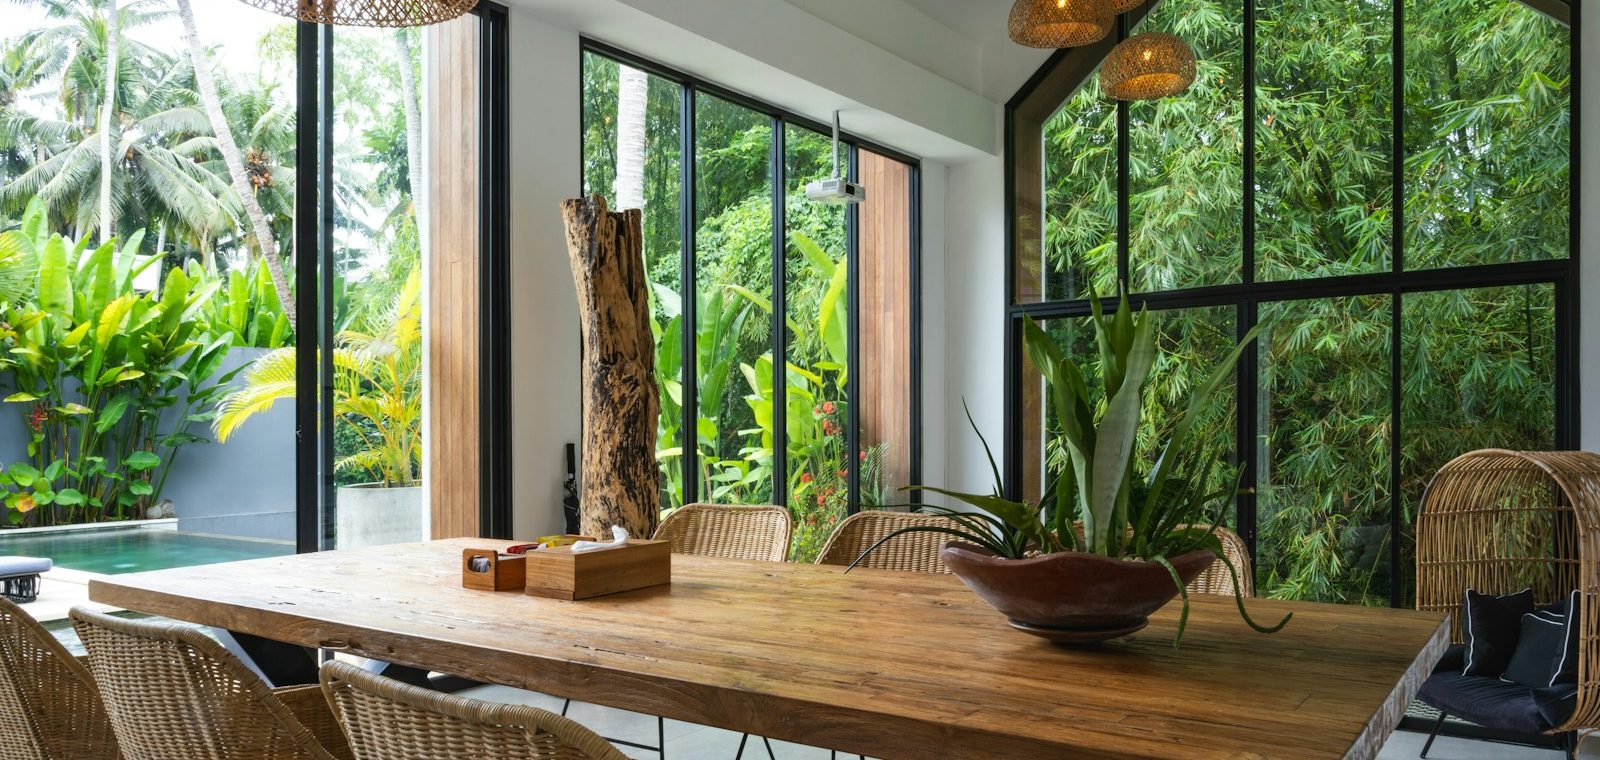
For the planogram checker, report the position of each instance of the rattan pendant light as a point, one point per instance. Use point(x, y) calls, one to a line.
point(1060, 23)
point(1147, 66)
point(1123, 6)
point(367, 12)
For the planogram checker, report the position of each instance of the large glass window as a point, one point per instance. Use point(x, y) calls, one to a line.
point(796, 383)
point(265, 209)
point(1409, 260)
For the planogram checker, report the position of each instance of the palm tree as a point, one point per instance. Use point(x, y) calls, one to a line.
point(108, 107)
point(633, 88)
point(412, 108)
point(266, 243)
point(72, 161)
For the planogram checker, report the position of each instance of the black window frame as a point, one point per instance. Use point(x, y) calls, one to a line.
point(1247, 295)
point(693, 86)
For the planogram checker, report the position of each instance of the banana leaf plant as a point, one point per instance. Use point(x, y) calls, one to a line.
point(95, 366)
point(1126, 507)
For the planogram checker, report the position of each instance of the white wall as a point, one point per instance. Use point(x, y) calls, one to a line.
point(545, 166)
point(973, 317)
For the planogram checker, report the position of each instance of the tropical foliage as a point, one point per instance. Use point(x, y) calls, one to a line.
point(109, 379)
point(1487, 180)
point(377, 391)
point(112, 121)
point(736, 442)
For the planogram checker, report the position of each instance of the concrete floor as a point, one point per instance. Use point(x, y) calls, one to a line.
point(688, 740)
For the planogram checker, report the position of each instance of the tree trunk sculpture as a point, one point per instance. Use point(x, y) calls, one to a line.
point(620, 402)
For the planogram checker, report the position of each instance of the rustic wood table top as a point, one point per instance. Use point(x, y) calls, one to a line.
point(888, 664)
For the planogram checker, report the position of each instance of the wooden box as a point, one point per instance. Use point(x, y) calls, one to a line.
point(503, 572)
point(560, 573)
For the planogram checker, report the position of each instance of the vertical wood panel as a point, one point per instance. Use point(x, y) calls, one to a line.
point(452, 318)
point(885, 319)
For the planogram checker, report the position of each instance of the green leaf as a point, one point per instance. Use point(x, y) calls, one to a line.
point(142, 460)
point(21, 396)
point(55, 284)
point(140, 488)
point(69, 497)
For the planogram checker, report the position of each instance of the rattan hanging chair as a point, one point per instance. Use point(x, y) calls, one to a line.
point(1501, 521)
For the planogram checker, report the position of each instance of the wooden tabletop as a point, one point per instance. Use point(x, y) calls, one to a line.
point(888, 664)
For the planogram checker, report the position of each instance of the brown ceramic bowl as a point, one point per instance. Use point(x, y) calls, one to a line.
point(1073, 595)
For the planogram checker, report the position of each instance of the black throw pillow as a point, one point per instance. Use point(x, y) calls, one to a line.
point(1540, 645)
point(1565, 668)
point(1492, 625)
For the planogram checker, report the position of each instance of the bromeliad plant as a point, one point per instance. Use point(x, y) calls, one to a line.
point(1105, 500)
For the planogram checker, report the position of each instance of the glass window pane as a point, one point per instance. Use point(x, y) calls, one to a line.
point(182, 493)
point(817, 294)
point(1322, 496)
point(1079, 249)
point(1324, 81)
point(1488, 101)
point(733, 301)
point(380, 243)
point(652, 183)
point(1479, 372)
point(1186, 158)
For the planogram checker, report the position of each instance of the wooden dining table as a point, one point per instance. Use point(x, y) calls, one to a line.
point(886, 664)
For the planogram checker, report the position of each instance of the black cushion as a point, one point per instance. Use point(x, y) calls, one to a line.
point(1540, 646)
point(1490, 702)
point(1565, 668)
point(1492, 625)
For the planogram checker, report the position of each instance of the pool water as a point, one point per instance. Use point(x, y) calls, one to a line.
point(133, 550)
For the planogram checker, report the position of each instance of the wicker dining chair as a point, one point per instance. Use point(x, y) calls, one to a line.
point(729, 531)
point(385, 719)
point(172, 692)
point(49, 706)
point(1216, 579)
point(914, 552)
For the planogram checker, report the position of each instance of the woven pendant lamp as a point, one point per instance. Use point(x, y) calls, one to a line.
point(1147, 67)
point(1123, 6)
point(1060, 23)
point(367, 12)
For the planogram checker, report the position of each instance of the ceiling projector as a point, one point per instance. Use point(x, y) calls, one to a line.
point(836, 190)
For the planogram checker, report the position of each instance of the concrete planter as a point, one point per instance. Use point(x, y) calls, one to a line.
point(372, 515)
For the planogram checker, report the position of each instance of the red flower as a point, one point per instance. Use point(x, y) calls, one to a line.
point(827, 407)
point(828, 428)
point(863, 456)
point(805, 477)
point(37, 416)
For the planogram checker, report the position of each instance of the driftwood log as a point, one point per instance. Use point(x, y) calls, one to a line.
point(621, 407)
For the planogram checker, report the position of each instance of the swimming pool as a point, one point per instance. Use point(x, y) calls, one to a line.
point(131, 550)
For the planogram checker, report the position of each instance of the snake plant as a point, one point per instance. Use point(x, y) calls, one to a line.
point(1125, 507)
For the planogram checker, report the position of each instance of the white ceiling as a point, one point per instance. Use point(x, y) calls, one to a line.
point(977, 20)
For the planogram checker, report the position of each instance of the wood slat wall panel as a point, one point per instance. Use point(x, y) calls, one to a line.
point(452, 276)
point(885, 319)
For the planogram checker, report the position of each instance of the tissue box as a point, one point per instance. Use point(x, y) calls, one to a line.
point(500, 572)
point(561, 573)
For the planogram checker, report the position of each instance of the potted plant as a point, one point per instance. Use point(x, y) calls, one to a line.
point(377, 380)
point(1115, 537)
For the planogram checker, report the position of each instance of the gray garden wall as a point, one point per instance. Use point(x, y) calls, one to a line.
point(243, 488)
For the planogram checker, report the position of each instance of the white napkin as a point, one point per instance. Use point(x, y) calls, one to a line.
point(619, 537)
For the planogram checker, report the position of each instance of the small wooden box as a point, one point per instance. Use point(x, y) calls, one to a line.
point(505, 571)
point(560, 573)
